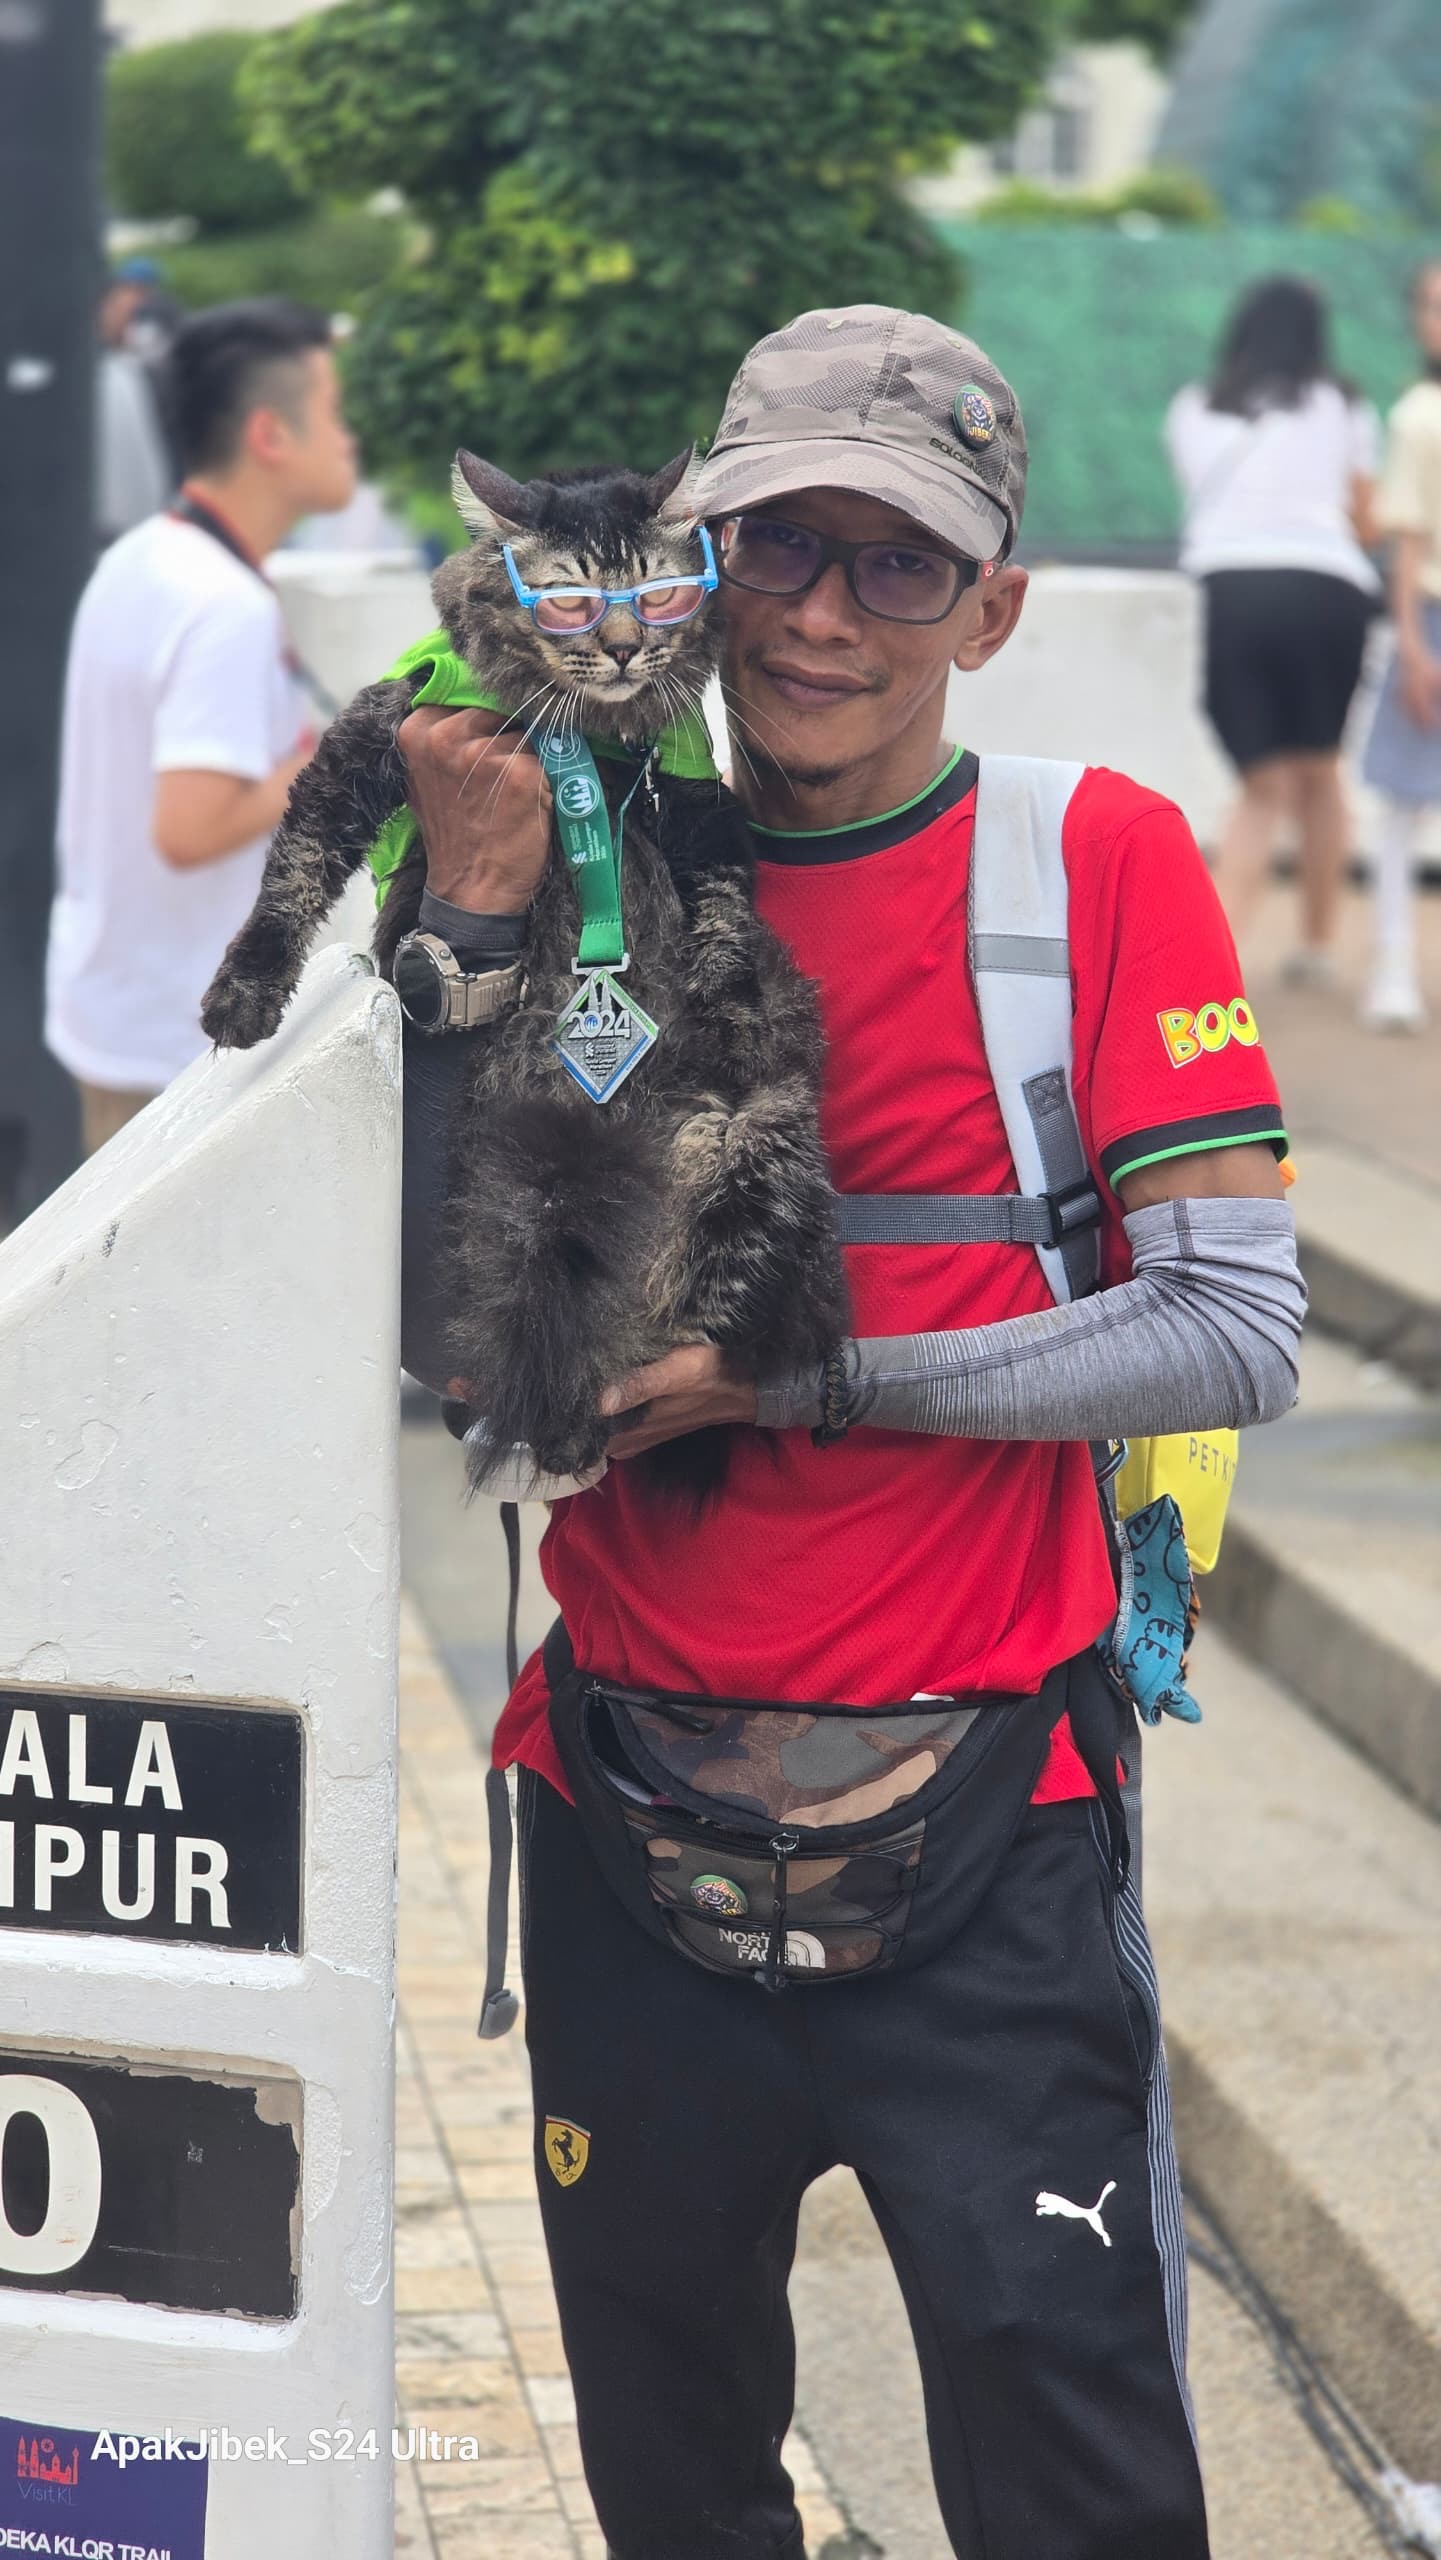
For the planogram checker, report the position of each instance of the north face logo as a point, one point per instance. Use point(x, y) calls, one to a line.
point(752, 1946)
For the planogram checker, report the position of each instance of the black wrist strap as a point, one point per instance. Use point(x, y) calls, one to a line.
point(490, 941)
point(835, 1419)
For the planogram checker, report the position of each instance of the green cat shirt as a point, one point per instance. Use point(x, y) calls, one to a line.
point(683, 748)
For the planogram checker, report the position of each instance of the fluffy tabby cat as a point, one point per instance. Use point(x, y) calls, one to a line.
point(586, 1239)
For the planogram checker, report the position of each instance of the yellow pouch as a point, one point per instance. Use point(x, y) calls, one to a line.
point(1198, 1468)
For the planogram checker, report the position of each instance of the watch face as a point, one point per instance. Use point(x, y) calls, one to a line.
point(419, 985)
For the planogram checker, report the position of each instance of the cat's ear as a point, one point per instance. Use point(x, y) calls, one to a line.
point(487, 500)
point(664, 483)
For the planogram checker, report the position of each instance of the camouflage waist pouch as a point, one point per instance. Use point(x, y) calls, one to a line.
point(798, 1843)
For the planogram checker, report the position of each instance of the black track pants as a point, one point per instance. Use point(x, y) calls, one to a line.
point(1005, 2107)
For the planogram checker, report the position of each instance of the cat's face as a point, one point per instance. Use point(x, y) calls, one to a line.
point(631, 674)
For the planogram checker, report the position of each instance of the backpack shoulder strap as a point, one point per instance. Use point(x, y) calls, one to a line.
point(1020, 954)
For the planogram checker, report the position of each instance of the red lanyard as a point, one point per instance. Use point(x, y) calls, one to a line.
point(190, 509)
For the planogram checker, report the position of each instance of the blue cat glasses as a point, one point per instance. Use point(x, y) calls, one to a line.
point(657, 603)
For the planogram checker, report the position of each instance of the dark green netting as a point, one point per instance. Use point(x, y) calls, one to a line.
point(1097, 329)
point(1277, 102)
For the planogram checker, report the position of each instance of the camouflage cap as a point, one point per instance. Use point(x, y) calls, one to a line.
point(888, 403)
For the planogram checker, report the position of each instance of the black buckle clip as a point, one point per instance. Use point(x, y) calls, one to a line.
point(1077, 1205)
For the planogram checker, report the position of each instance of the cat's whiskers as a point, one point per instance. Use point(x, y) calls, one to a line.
point(503, 765)
point(737, 722)
point(739, 749)
point(518, 749)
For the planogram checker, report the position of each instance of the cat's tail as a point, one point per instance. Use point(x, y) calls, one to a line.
point(548, 1275)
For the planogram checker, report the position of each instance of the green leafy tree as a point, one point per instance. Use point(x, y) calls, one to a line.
point(621, 195)
point(176, 140)
point(1169, 197)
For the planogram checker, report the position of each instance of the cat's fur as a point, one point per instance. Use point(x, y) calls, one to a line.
point(585, 1239)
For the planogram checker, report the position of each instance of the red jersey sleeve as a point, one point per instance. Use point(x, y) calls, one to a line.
point(1168, 1050)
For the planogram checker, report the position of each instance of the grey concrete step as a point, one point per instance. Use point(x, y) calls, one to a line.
point(1330, 1571)
point(1370, 1242)
point(1295, 1903)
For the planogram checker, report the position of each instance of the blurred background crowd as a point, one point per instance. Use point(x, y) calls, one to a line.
point(1198, 234)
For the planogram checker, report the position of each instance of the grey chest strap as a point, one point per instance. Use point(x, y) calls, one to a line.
point(1018, 939)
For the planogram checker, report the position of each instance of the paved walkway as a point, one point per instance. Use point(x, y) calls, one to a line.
point(1378, 1093)
point(477, 2343)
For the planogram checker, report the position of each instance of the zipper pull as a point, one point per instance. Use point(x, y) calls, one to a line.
point(772, 1976)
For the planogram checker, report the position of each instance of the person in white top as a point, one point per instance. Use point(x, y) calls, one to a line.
point(184, 722)
point(1276, 460)
point(1402, 759)
point(132, 467)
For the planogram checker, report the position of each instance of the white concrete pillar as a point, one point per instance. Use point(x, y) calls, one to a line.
point(198, 1602)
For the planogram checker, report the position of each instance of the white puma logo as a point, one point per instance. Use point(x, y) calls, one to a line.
point(1047, 2203)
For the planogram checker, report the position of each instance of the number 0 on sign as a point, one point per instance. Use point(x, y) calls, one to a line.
point(149, 2186)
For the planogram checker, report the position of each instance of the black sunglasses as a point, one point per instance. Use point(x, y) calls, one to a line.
point(897, 581)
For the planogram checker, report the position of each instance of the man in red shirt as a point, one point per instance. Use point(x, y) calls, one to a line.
point(1004, 2102)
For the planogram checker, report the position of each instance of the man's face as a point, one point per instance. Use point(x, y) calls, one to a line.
point(814, 684)
point(308, 444)
point(1426, 313)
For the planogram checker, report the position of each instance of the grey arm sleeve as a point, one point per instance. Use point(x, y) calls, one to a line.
point(1203, 1334)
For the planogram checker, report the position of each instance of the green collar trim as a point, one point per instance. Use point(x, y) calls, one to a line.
point(682, 749)
point(882, 817)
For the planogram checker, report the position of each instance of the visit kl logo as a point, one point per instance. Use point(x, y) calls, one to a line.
point(39, 2458)
point(1200, 1034)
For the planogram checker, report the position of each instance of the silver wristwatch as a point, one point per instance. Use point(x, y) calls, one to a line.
point(438, 994)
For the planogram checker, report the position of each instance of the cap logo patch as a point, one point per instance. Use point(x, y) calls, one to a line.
point(975, 416)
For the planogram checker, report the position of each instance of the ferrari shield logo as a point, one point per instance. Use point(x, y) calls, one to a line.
point(567, 2149)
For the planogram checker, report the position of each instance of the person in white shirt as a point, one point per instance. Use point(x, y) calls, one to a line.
point(132, 467)
point(1403, 752)
point(1276, 459)
point(185, 722)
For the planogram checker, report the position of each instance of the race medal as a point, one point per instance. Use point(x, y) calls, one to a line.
point(601, 1035)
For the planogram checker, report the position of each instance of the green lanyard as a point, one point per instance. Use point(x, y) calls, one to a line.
point(584, 827)
point(602, 1033)
point(683, 749)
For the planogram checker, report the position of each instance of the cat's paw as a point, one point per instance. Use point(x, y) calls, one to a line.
point(237, 1012)
point(573, 1453)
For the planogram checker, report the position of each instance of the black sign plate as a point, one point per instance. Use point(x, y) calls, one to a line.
point(152, 2186)
point(145, 1818)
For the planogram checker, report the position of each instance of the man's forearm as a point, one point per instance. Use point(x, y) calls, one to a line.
point(199, 817)
point(1204, 1334)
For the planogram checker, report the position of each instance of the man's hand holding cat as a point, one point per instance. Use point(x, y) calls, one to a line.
point(683, 1392)
point(483, 807)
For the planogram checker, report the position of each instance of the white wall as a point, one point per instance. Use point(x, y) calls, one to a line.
point(350, 613)
point(198, 1366)
point(1104, 666)
point(140, 22)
